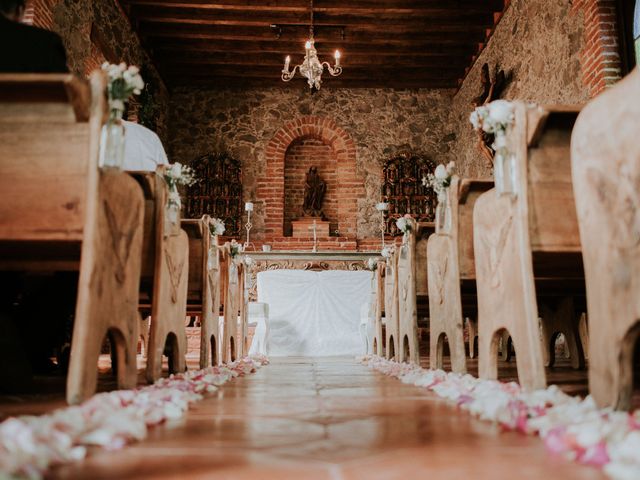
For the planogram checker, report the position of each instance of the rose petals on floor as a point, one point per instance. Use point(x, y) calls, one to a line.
point(571, 426)
point(30, 445)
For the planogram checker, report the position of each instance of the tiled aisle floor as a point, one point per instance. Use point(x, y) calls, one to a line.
point(328, 419)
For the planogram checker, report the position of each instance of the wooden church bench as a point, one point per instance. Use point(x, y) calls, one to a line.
point(203, 298)
point(164, 279)
point(527, 248)
point(605, 157)
point(391, 307)
point(378, 341)
point(452, 276)
point(60, 212)
point(235, 306)
point(408, 342)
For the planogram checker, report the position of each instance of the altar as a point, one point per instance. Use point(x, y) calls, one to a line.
point(314, 300)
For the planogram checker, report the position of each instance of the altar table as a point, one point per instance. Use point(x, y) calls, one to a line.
point(314, 313)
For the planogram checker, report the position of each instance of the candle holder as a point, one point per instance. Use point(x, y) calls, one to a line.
point(248, 207)
point(382, 207)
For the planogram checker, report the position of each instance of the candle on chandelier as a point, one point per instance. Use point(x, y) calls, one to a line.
point(337, 57)
point(287, 62)
point(307, 45)
point(248, 207)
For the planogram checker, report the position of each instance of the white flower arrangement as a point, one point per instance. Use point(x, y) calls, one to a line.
point(494, 118)
point(216, 226)
point(179, 174)
point(235, 249)
point(403, 224)
point(372, 264)
point(388, 251)
point(124, 81)
point(440, 180)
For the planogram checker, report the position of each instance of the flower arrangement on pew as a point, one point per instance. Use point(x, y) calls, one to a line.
point(404, 226)
point(495, 118)
point(123, 82)
point(440, 181)
point(235, 249)
point(175, 175)
point(388, 251)
point(372, 263)
point(216, 227)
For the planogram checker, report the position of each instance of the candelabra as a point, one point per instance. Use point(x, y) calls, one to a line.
point(248, 207)
point(382, 207)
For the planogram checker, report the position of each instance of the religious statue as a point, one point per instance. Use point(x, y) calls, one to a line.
point(314, 190)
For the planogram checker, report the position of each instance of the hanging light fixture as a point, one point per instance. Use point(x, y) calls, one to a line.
point(311, 68)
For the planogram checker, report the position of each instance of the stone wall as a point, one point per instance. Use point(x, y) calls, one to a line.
point(97, 30)
point(379, 122)
point(540, 43)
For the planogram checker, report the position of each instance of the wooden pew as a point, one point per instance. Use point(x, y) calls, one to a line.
point(527, 245)
point(407, 306)
point(235, 307)
point(203, 298)
point(452, 276)
point(164, 279)
point(59, 212)
point(391, 306)
point(378, 341)
point(605, 157)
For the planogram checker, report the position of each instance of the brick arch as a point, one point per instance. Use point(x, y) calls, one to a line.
point(270, 188)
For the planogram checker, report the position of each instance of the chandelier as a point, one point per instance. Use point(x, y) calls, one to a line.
point(311, 68)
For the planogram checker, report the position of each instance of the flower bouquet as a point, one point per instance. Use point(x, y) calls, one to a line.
point(440, 181)
point(123, 81)
point(495, 118)
point(216, 226)
point(175, 175)
point(372, 264)
point(388, 251)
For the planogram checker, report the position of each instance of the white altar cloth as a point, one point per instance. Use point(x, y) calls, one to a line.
point(314, 314)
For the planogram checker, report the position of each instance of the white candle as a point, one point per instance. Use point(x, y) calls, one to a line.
point(382, 207)
point(287, 62)
point(337, 57)
point(307, 45)
point(248, 207)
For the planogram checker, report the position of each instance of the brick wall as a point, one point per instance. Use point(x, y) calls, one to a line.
point(600, 54)
point(303, 154)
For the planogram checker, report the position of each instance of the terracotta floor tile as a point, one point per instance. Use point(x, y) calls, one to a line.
point(329, 418)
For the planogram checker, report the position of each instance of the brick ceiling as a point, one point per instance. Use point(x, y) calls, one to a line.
point(384, 43)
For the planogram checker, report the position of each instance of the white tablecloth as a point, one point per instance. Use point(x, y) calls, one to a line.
point(314, 313)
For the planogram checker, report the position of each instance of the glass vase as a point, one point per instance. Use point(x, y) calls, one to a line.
point(172, 211)
point(112, 140)
point(443, 213)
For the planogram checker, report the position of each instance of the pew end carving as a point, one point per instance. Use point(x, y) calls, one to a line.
point(526, 243)
point(203, 298)
point(164, 280)
point(451, 268)
point(86, 220)
point(605, 158)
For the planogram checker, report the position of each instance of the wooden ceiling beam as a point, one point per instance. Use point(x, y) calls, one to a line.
point(196, 46)
point(277, 60)
point(370, 20)
point(327, 6)
point(443, 34)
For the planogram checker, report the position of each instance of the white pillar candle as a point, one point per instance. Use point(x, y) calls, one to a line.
point(382, 206)
point(337, 57)
point(287, 62)
point(248, 207)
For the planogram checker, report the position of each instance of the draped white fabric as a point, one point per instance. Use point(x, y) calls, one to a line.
point(314, 313)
